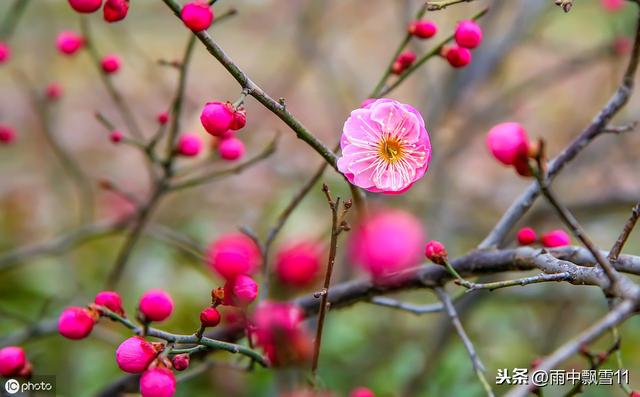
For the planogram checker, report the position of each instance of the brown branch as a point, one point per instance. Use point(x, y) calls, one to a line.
point(346, 294)
point(569, 220)
point(338, 225)
point(277, 108)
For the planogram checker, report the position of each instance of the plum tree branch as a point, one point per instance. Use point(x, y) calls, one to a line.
point(258, 93)
point(597, 126)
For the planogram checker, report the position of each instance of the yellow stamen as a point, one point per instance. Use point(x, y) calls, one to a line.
point(391, 150)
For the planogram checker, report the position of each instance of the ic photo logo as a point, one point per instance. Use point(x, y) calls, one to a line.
point(12, 386)
point(42, 384)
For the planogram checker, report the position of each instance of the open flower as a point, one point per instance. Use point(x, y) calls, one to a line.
point(385, 147)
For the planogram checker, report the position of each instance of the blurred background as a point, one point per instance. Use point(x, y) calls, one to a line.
point(549, 70)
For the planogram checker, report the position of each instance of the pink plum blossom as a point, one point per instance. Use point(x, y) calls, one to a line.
point(385, 147)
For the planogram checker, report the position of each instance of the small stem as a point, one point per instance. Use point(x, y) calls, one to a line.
point(455, 320)
point(541, 278)
point(441, 5)
point(208, 343)
point(176, 108)
point(201, 180)
point(624, 235)
point(387, 73)
point(336, 228)
point(411, 308)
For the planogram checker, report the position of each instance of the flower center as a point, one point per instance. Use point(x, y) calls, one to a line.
point(391, 150)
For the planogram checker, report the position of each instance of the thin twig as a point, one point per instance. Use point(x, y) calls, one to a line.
point(473, 355)
point(215, 175)
point(441, 5)
point(624, 235)
point(281, 221)
point(540, 278)
point(408, 307)
point(387, 73)
point(338, 225)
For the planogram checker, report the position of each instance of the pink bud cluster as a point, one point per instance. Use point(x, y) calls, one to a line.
point(14, 363)
point(113, 10)
point(136, 355)
point(235, 257)
point(468, 35)
point(222, 119)
point(550, 239)
point(509, 144)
